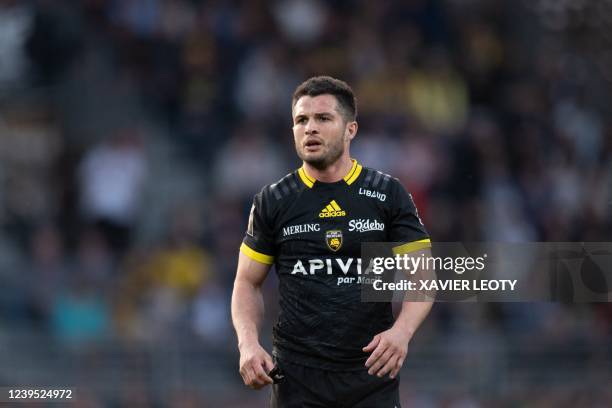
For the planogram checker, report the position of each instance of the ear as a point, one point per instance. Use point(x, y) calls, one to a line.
point(351, 130)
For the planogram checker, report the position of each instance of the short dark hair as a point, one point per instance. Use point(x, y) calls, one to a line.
point(322, 85)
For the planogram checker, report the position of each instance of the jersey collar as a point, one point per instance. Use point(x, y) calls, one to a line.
point(350, 178)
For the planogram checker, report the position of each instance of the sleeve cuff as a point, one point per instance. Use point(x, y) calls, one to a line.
point(412, 246)
point(257, 256)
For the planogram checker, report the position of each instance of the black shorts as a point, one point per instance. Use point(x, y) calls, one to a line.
point(306, 387)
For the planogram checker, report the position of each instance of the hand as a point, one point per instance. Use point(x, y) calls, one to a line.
point(255, 364)
point(389, 349)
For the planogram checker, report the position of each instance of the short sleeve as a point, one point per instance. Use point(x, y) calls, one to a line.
point(258, 242)
point(406, 225)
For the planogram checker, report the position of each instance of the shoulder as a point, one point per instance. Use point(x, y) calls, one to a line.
point(281, 190)
point(378, 181)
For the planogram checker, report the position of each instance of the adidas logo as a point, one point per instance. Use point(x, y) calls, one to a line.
point(332, 210)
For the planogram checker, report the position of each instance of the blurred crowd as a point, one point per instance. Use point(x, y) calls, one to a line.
point(134, 133)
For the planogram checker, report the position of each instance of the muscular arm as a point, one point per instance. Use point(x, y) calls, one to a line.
point(247, 314)
point(247, 299)
point(389, 348)
point(415, 310)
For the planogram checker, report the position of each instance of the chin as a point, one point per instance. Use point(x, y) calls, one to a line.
point(317, 162)
point(311, 158)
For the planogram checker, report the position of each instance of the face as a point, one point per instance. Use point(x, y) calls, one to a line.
point(320, 131)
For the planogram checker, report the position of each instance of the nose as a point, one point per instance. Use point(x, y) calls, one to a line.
point(311, 128)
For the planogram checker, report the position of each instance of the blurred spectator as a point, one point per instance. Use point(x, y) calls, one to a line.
point(582, 128)
point(160, 286)
point(30, 145)
point(438, 95)
point(247, 161)
point(377, 150)
point(48, 271)
point(177, 18)
point(55, 40)
point(211, 314)
point(301, 21)
point(182, 264)
point(15, 23)
point(94, 259)
point(419, 162)
point(111, 178)
point(80, 313)
point(141, 17)
point(200, 93)
point(264, 84)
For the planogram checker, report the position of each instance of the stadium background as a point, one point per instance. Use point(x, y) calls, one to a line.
point(134, 133)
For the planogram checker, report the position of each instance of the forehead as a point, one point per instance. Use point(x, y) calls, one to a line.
point(308, 105)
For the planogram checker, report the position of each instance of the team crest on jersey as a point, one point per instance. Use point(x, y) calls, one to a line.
point(333, 239)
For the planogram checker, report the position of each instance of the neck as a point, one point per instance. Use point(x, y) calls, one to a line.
point(332, 173)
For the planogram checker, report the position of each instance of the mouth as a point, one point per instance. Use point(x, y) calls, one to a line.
point(312, 144)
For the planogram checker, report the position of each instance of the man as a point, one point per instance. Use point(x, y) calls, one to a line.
point(333, 349)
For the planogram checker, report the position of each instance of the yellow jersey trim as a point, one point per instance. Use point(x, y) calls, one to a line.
point(350, 178)
point(306, 179)
point(412, 246)
point(257, 256)
point(354, 173)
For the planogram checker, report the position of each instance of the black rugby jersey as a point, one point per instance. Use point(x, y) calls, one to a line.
point(312, 232)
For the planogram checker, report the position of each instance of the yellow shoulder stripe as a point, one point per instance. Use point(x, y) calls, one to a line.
point(354, 173)
point(306, 179)
point(257, 256)
point(412, 246)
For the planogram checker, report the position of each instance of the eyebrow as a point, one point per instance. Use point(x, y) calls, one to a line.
point(316, 114)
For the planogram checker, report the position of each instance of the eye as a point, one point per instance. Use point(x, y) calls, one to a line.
point(300, 120)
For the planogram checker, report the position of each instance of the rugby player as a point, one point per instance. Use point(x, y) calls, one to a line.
point(333, 349)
